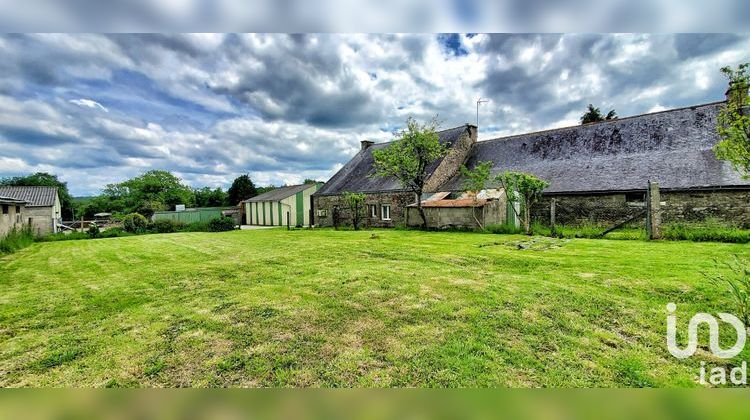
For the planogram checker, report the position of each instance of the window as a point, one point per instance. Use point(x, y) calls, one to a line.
point(5, 209)
point(373, 211)
point(634, 197)
point(18, 209)
point(385, 212)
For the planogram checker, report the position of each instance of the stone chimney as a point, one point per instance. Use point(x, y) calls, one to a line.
point(366, 143)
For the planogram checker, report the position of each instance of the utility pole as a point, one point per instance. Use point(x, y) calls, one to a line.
point(480, 101)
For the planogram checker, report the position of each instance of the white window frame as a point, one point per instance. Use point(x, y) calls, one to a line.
point(383, 208)
point(374, 211)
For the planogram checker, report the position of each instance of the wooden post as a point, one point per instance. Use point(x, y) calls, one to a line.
point(288, 221)
point(653, 211)
point(552, 210)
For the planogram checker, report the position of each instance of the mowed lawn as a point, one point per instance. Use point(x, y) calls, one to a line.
point(328, 308)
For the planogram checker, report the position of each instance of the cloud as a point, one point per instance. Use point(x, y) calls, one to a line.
point(88, 103)
point(289, 107)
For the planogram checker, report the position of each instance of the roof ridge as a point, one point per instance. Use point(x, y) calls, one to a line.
point(437, 132)
point(550, 130)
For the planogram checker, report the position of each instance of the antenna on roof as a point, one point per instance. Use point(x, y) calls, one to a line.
point(480, 101)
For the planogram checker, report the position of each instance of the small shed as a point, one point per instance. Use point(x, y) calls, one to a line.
point(43, 207)
point(445, 210)
point(275, 207)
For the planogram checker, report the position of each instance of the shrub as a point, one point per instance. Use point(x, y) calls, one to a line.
point(134, 223)
point(15, 240)
point(166, 226)
point(93, 231)
point(221, 224)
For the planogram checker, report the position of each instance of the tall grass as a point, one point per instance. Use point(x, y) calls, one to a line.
point(15, 240)
point(708, 231)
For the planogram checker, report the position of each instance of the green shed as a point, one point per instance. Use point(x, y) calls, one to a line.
point(273, 207)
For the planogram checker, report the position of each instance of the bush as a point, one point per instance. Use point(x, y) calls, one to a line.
point(15, 240)
point(221, 224)
point(93, 231)
point(166, 226)
point(134, 223)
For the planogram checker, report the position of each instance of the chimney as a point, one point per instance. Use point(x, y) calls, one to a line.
point(472, 132)
point(366, 143)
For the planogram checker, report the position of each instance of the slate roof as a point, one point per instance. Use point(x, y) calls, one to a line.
point(279, 193)
point(357, 174)
point(34, 196)
point(672, 147)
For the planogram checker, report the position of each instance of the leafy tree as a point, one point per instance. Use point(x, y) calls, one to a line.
point(407, 158)
point(593, 114)
point(356, 202)
point(524, 188)
point(475, 181)
point(262, 190)
point(206, 197)
point(44, 179)
point(145, 194)
point(733, 125)
point(311, 181)
point(242, 188)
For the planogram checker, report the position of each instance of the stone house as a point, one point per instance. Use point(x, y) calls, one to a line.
point(386, 201)
point(589, 166)
point(12, 215)
point(43, 210)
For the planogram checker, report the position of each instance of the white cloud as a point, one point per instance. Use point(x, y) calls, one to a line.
point(88, 103)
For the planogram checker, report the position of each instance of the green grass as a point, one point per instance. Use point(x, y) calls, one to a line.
point(326, 308)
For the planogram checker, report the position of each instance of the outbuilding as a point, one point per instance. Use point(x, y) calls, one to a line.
point(275, 207)
point(43, 209)
point(11, 215)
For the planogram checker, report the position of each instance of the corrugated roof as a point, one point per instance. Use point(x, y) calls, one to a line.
point(671, 147)
point(11, 200)
point(357, 174)
point(278, 194)
point(460, 202)
point(34, 196)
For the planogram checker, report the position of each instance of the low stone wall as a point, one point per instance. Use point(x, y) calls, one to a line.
point(727, 206)
point(398, 202)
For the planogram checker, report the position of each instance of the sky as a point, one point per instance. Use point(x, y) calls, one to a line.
point(98, 109)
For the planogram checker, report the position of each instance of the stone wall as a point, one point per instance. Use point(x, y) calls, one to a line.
point(12, 220)
point(727, 206)
point(397, 200)
point(41, 220)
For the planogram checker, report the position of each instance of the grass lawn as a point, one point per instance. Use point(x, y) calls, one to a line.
point(327, 308)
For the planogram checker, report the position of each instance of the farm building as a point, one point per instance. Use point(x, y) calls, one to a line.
point(12, 215)
point(43, 210)
point(273, 207)
point(195, 215)
point(589, 167)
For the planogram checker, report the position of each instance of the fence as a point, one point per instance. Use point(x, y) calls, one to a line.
point(637, 213)
point(203, 214)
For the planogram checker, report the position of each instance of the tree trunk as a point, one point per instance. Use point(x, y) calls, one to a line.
point(421, 211)
point(527, 217)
